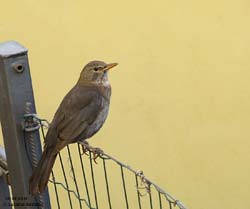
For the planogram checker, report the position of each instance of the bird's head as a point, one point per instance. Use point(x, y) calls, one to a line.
point(96, 72)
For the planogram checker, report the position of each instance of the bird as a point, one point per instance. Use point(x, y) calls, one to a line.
point(80, 115)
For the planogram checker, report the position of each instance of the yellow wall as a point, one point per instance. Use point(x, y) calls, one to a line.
point(180, 105)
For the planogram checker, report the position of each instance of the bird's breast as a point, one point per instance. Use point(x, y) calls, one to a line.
point(100, 119)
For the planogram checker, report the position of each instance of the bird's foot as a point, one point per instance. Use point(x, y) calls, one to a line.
point(85, 147)
point(97, 152)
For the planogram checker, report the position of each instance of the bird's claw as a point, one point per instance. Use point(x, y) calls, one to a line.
point(85, 148)
point(97, 152)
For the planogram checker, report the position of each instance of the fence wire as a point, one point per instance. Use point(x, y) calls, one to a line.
point(86, 179)
point(146, 193)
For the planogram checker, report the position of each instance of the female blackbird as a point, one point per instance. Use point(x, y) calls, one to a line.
point(80, 115)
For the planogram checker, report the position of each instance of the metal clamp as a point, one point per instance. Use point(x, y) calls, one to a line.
point(31, 123)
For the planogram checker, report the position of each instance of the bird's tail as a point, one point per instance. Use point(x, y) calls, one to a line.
point(40, 176)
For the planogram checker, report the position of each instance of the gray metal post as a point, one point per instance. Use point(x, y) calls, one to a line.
point(16, 92)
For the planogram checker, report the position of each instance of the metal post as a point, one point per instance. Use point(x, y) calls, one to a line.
point(16, 92)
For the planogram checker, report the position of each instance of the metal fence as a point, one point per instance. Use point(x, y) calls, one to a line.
point(133, 185)
point(79, 179)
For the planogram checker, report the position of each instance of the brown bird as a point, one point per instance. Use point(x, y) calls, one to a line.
point(80, 115)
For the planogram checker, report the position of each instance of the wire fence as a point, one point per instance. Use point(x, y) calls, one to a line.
point(90, 179)
point(85, 177)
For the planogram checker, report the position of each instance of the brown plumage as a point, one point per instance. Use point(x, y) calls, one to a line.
point(80, 115)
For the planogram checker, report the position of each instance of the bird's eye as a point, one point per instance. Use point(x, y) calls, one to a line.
point(96, 69)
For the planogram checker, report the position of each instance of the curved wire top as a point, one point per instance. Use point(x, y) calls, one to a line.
point(147, 182)
point(138, 173)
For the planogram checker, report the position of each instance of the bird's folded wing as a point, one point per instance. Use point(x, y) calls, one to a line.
point(75, 125)
point(78, 109)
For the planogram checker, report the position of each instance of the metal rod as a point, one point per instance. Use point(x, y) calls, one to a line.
point(160, 204)
point(74, 176)
point(137, 190)
point(66, 181)
point(150, 197)
point(107, 183)
point(93, 178)
point(124, 187)
point(84, 175)
point(55, 187)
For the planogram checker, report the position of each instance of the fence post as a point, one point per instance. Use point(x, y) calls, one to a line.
point(16, 92)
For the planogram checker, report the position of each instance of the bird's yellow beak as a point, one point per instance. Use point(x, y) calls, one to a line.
point(109, 66)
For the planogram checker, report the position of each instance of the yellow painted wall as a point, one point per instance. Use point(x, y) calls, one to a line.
point(181, 94)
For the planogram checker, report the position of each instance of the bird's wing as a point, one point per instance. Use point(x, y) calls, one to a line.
point(78, 109)
point(79, 121)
